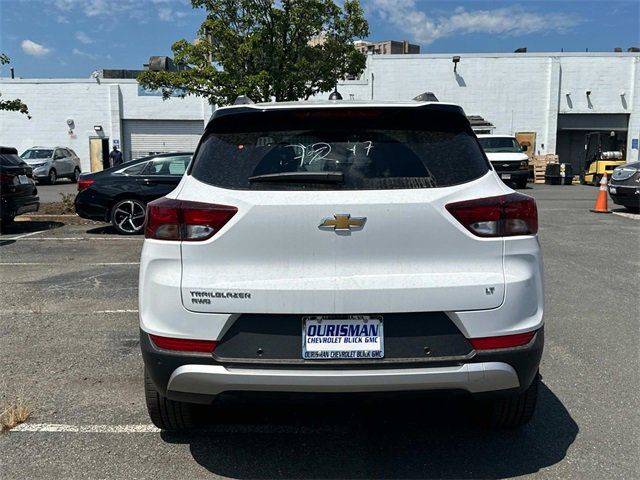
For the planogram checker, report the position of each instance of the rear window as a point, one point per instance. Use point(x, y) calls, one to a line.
point(339, 149)
point(10, 160)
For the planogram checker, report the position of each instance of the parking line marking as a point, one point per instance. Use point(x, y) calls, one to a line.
point(62, 428)
point(28, 234)
point(144, 428)
point(117, 311)
point(125, 239)
point(98, 264)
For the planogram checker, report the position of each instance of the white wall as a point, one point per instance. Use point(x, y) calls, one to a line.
point(515, 92)
point(51, 102)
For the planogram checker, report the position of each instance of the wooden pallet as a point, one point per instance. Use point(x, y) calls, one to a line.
point(539, 166)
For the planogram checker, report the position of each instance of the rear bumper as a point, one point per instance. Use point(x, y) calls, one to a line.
point(216, 379)
point(13, 206)
point(199, 378)
point(88, 206)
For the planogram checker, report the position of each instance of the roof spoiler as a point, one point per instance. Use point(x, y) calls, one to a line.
point(243, 100)
point(426, 97)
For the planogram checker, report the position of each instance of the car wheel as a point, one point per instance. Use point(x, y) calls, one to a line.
point(128, 216)
point(168, 414)
point(75, 175)
point(4, 221)
point(511, 411)
point(521, 184)
point(52, 177)
point(632, 209)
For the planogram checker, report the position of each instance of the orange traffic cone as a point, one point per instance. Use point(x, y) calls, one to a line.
point(601, 199)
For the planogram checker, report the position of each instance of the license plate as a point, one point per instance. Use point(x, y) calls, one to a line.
point(612, 190)
point(506, 176)
point(348, 337)
point(23, 179)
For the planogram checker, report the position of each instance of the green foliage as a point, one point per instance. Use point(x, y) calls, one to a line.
point(68, 202)
point(12, 105)
point(260, 48)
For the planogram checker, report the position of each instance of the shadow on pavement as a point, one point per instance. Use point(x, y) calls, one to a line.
point(25, 227)
point(104, 230)
point(396, 436)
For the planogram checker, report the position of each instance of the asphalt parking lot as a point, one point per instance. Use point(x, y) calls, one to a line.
point(69, 348)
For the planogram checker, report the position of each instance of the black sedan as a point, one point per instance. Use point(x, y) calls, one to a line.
point(18, 192)
point(120, 194)
point(624, 186)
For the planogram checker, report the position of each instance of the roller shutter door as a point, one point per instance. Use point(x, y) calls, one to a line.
point(149, 137)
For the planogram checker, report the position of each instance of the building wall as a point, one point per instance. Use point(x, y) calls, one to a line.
point(87, 103)
point(515, 92)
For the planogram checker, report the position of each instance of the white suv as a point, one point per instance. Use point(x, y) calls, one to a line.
point(341, 247)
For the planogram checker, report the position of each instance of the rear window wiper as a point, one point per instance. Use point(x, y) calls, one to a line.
point(310, 177)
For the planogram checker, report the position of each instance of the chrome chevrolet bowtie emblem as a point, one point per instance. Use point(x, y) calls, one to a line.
point(343, 222)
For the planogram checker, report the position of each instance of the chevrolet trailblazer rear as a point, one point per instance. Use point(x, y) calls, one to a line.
point(341, 247)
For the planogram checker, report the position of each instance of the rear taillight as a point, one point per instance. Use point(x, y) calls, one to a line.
point(503, 216)
point(184, 344)
point(169, 219)
point(6, 178)
point(505, 341)
point(84, 184)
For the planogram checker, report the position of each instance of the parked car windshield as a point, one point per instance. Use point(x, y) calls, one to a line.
point(500, 145)
point(339, 149)
point(36, 154)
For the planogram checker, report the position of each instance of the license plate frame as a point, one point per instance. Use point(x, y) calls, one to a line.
point(23, 180)
point(344, 346)
point(505, 176)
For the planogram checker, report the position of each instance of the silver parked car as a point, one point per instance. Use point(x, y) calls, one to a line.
point(51, 163)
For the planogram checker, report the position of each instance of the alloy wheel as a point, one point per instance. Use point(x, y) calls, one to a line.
point(128, 216)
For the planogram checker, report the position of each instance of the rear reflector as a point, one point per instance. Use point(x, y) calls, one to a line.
point(84, 184)
point(506, 341)
point(183, 344)
point(169, 219)
point(503, 216)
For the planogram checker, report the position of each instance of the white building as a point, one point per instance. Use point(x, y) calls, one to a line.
point(558, 96)
point(68, 112)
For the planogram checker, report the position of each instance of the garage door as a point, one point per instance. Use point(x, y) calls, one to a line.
point(149, 137)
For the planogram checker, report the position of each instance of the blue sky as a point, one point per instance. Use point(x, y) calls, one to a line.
point(72, 38)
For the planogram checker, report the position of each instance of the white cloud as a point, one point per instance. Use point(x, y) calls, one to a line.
point(167, 14)
point(84, 38)
point(80, 53)
point(139, 9)
point(507, 21)
point(34, 49)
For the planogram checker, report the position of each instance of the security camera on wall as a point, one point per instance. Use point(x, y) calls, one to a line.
point(71, 125)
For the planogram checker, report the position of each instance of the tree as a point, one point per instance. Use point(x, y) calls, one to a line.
point(12, 105)
point(288, 49)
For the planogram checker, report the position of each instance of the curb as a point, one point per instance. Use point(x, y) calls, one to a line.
point(71, 219)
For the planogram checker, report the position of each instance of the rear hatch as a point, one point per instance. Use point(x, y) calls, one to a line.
point(340, 210)
point(15, 177)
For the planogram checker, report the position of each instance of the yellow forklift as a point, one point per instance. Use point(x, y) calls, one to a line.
point(603, 152)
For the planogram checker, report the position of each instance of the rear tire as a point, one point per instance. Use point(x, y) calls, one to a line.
point(509, 412)
point(168, 414)
point(75, 175)
point(521, 184)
